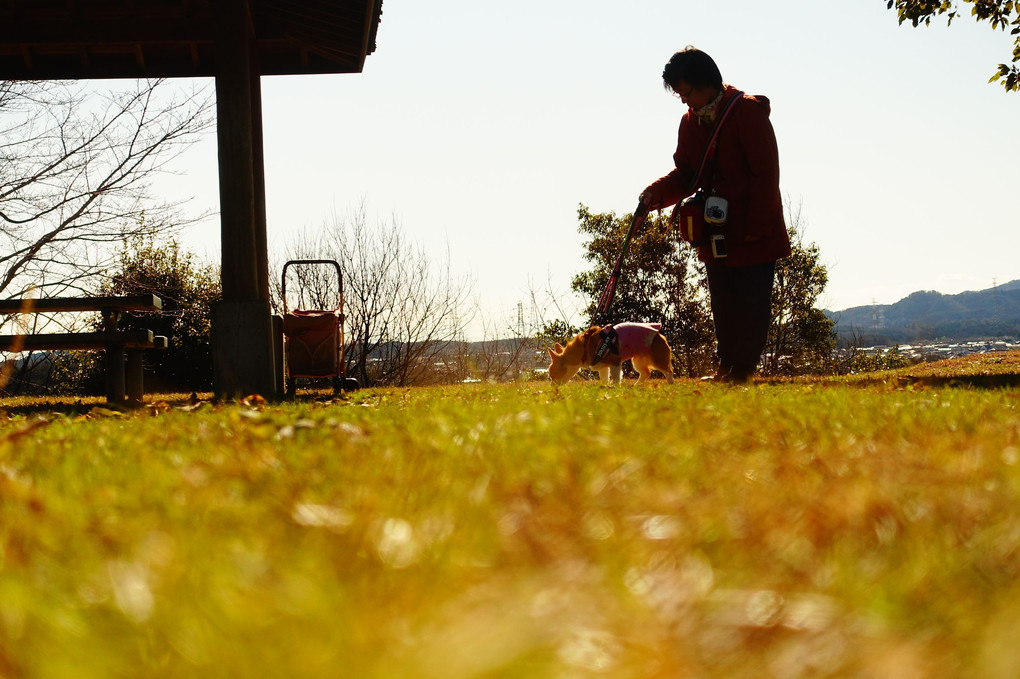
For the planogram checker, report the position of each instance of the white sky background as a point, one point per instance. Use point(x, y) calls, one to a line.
point(480, 126)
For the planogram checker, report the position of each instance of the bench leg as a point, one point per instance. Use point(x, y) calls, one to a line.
point(115, 385)
point(133, 379)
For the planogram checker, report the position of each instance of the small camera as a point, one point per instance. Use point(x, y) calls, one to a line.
point(718, 243)
point(716, 209)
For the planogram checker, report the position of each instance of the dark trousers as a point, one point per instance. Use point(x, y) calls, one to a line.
point(741, 310)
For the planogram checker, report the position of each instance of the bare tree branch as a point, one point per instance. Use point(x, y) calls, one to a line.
point(75, 173)
point(403, 312)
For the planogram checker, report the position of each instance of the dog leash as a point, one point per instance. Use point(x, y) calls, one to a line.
point(602, 308)
point(608, 333)
point(606, 299)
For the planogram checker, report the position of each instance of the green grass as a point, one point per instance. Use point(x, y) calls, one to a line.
point(803, 529)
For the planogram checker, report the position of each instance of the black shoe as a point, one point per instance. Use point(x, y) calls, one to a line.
point(719, 377)
point(739, 377)
point(732, 376)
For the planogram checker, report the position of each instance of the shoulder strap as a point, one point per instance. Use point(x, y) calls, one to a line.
point(709, 152)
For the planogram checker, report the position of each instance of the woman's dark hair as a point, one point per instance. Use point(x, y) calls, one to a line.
point(693, 67)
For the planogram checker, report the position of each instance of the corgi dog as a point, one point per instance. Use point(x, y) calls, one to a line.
point(642, 343)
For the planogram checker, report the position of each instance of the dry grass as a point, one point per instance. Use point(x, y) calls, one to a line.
point(804, 529)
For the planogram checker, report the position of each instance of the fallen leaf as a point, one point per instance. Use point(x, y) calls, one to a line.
point(99, 411)
point(158, 407)
point(27, 428)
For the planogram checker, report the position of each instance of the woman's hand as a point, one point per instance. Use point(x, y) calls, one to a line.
point(651, 198)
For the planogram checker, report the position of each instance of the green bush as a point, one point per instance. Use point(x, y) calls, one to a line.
point(187, 288)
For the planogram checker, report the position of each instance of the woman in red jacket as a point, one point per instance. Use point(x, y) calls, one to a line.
point(743, 170)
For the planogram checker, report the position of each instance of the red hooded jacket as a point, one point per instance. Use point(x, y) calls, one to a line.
point(746, 174)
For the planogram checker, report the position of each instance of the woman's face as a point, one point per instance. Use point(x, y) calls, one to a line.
point(695, 97)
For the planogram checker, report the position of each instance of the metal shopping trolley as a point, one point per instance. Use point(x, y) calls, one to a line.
point(313, 339)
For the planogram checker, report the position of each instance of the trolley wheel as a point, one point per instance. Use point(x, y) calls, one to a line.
point(345, 384)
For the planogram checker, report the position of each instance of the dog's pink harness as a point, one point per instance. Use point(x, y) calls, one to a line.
point(632, 339)
point(636, 338)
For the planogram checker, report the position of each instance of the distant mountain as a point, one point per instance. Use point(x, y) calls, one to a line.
point(929, 315)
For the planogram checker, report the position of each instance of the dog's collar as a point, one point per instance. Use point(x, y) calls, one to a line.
point(610, 342)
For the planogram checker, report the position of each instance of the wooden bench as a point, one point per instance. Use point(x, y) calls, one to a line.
point(123, 347)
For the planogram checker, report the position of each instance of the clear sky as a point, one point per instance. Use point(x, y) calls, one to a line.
point(480, 126)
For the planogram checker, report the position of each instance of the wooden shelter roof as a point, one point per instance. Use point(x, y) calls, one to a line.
point(87, 39)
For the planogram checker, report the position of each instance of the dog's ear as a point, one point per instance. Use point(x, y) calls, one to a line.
point(556, 352)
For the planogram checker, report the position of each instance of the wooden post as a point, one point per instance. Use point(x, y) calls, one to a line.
point(115, 379)
point(235, 130)
point(242, 331)
point(259, 181)
point(134, 379)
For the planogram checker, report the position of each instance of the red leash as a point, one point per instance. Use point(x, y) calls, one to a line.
point(602, 308)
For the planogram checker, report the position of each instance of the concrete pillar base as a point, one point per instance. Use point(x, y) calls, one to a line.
point(242, 348)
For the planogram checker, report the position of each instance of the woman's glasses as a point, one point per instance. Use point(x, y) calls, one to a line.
point(683, 95)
